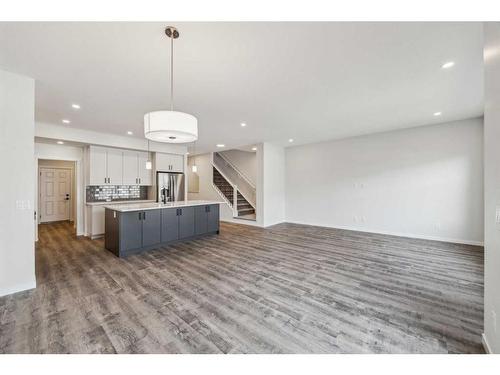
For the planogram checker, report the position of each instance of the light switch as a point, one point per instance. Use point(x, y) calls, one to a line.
point(23, 204)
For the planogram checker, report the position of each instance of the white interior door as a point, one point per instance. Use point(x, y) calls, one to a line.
point(55, 194)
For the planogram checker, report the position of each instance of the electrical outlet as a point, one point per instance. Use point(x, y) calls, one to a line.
point(494, 319)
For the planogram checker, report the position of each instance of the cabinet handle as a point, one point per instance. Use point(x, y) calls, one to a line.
point(139, 180)
point(144, 215)
point(140, 216)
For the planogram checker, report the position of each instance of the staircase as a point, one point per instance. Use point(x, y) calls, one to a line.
point(224, 187)
point(243, 207)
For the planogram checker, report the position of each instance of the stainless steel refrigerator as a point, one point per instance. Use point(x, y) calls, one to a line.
point(170, 187)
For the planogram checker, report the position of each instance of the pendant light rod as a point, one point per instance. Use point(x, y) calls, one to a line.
point(171, 126)
point(172, 33)
point(171, 74)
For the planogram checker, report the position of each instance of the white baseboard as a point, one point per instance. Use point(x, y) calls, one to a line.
point(241, 221)
point(17, 288)
point(486, 346)
point(398, 234)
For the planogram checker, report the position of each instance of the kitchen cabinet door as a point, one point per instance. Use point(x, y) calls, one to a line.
point(145, 175)
point(186, 222)
point(130, 230)
point(169, 225)
point(151, 227)
point(169, 162)
point(115, 166)
point(97, 166)
point(177, 163)
point(130, 168)
point(200, 220)
point(213, 218)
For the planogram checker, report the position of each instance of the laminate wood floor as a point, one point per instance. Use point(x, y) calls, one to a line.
point(286, 289)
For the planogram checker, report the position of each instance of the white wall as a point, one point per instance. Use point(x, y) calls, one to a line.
point(422, 182)
point(17, 168)
point(492, 186)
point(271, 194)
point(70, 153)
point(245, 161)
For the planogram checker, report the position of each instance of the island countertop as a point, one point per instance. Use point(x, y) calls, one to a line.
point(157, 205)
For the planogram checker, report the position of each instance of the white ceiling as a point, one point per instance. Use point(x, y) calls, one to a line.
point(306, 81)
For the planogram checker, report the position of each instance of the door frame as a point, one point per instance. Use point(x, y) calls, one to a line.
point(79, 218)
point(71, 214)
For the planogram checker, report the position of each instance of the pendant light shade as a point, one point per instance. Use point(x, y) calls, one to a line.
point(170, 126)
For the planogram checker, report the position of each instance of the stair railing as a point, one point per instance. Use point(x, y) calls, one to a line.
point(240, 173)
point(246, 188)
point(234, 203)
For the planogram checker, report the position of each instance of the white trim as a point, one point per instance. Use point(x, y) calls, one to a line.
point(17, 288)
point(397, 234)
point(235, 220)
point(486, 346)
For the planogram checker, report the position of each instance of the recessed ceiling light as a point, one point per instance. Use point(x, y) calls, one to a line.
point(75, 106)
point(65, 121)
point(254, 148)
point(437, 113)
point(221, 145)
point(60, 142)
point(129, 132)
point(448, 64)
point(290, 140)
point(243, 124)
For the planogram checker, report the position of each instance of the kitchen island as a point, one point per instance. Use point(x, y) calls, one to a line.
point(132, 228)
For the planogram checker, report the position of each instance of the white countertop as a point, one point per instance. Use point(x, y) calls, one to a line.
point(156, 205)
point(104, 203)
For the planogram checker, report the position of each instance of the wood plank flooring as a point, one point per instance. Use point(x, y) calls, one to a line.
point(286, 289)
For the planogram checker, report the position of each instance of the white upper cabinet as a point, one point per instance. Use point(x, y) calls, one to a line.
point(97, 166)
point(115, 166)
point(169, 162)
point(130, 168)
point(111, 166)
point(145, 175)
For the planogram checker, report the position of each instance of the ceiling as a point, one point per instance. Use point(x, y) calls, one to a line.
point(306, 81)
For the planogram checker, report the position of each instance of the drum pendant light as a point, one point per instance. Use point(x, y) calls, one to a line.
point(171, 126)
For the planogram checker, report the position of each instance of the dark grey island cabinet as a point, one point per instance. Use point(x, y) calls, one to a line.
point(129, 232)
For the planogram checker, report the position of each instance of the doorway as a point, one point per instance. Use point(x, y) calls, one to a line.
point(56, 191)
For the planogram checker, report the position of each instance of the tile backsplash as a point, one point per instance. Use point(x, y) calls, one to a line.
point(116, 192)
